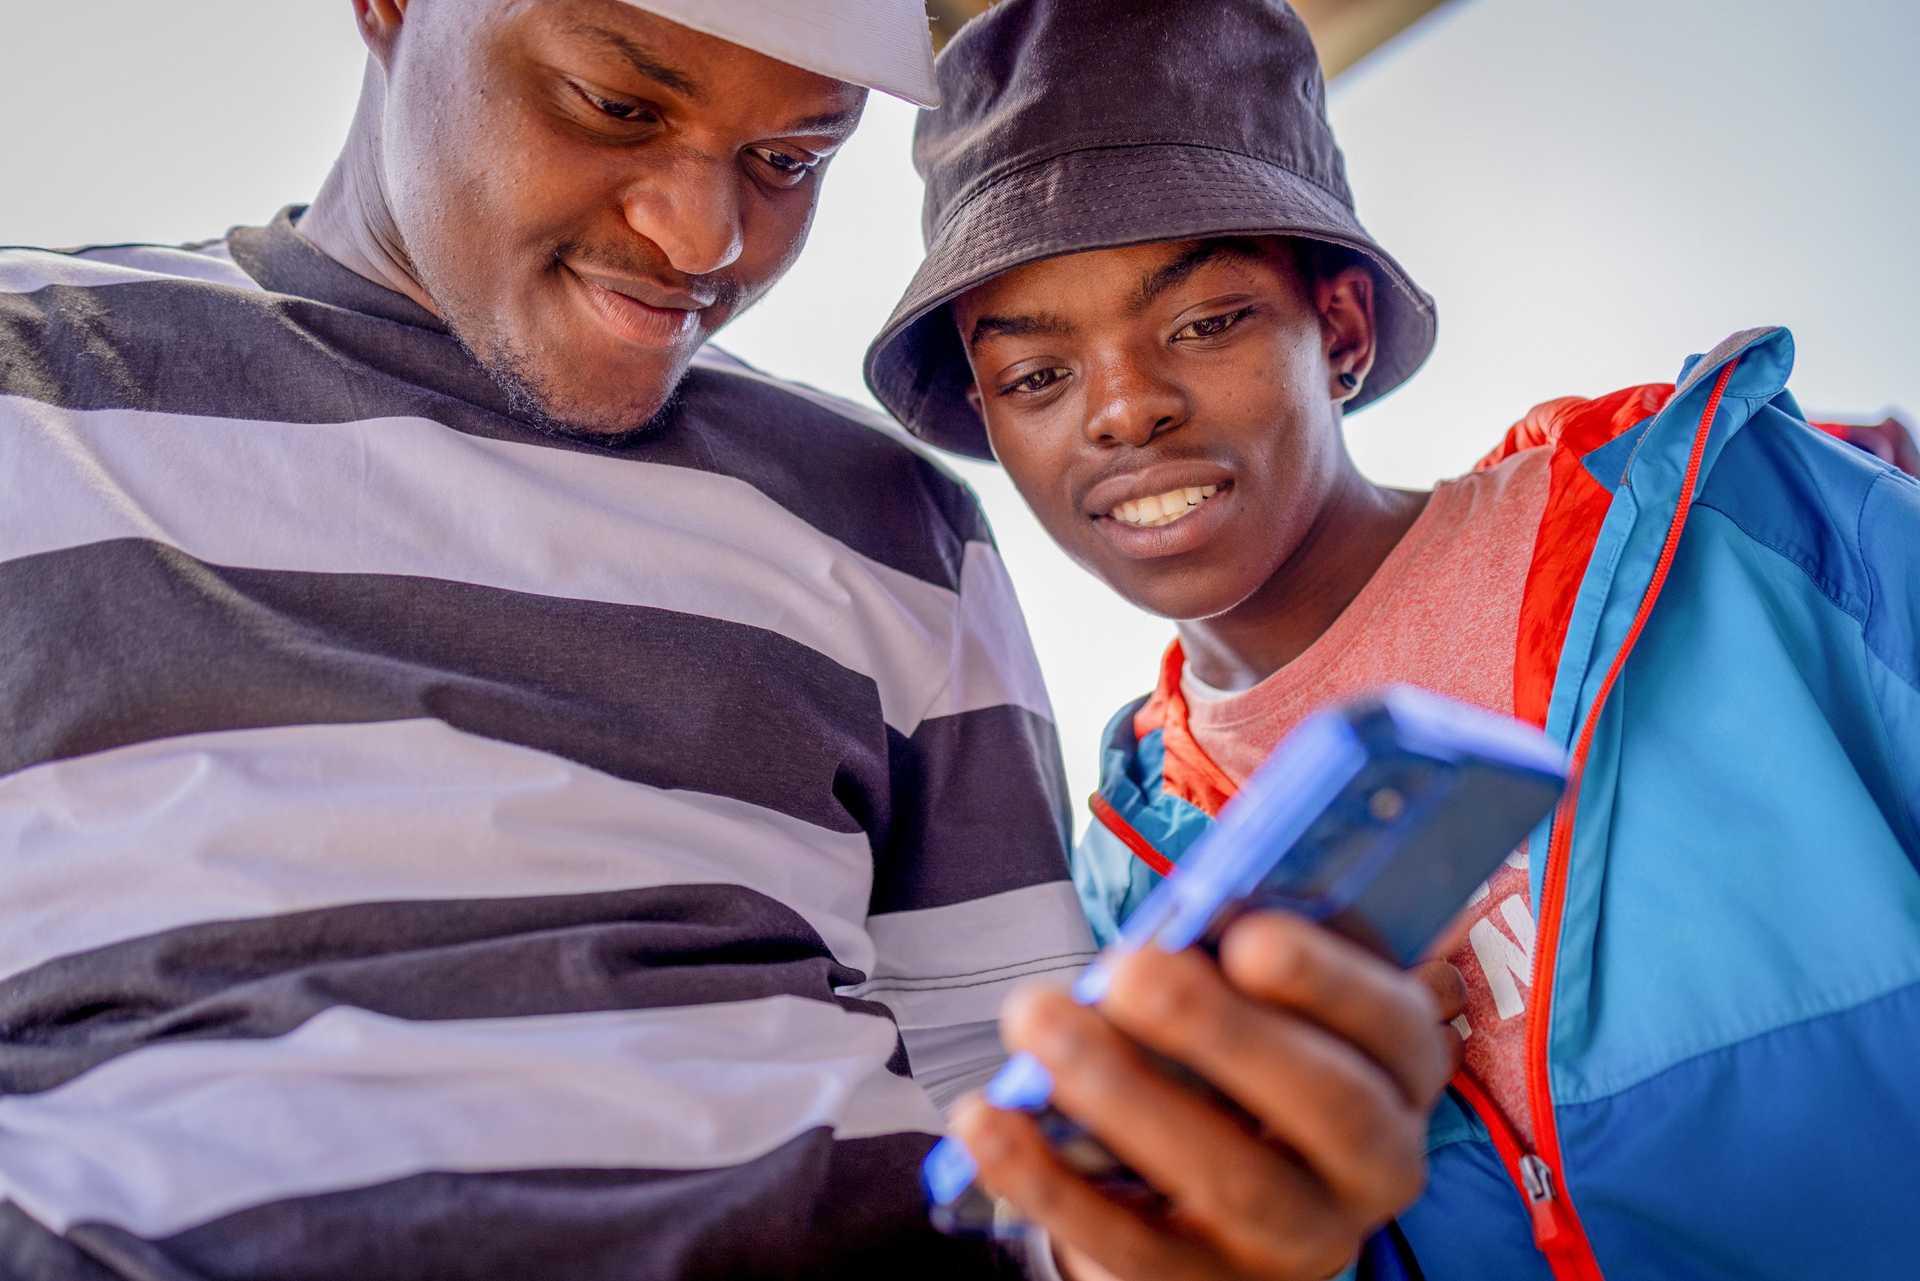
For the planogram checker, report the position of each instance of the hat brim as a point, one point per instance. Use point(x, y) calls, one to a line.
point(1107, 198)
point(884, 46)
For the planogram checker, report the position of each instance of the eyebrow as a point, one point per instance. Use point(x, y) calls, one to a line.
point(840, 123)
point(1016, 327)
point(642, 60)
point(1161, 279)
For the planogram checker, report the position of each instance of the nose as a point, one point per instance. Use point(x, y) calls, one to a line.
point(692, 212)
point(1132, 403)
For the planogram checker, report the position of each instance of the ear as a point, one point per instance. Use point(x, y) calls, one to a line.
point(1345, 303)
point(379, 22)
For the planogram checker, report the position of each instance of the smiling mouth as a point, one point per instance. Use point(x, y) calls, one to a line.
point(1156, 510)
point(637, 321)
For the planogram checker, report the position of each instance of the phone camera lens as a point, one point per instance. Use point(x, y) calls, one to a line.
point(1386, 804)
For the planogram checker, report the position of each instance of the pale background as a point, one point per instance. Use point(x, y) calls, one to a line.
point(1591, 190)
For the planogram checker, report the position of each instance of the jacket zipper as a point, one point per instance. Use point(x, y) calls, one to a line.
point(1554, 1234)
point(1139, 845)
point(1540, 1174)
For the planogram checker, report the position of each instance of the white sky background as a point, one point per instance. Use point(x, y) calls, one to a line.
point(1591, 191)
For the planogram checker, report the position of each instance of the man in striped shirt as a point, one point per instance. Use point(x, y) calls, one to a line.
point(492, 786)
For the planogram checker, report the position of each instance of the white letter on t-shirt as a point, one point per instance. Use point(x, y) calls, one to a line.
point(1506, 964)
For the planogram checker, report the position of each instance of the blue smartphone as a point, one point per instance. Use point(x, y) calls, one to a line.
point(1378, 818)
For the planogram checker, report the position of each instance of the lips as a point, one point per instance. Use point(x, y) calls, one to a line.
point(1162, 509)
point(640, 312)
point(1111, 492)
point(1168, 509)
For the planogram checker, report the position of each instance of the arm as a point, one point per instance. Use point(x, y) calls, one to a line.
point(971, 894)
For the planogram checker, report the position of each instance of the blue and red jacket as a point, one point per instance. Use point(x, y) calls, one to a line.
point(1721, 622)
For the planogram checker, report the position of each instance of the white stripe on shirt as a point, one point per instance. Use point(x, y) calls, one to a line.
point(955, 964)
point(254, 823)
point(178, 1134)
point(24, 270)
point(407, 496)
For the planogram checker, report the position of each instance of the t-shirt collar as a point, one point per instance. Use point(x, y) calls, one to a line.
point(285, 262)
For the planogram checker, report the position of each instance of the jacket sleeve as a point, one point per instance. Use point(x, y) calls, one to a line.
point(1111, 882)
point(1889, 538)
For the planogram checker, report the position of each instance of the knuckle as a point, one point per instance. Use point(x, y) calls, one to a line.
point(1180, 999)
point(1397, 1168)
point(1043, 1020)
point(1232, 1195)
point(1375, 1153)
point(1140, 982)
point(1361, 1121)
point(1277, 954)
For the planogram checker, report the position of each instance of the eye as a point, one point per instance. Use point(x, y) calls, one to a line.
point(785, 168)
point(1034, 383)
point(629, 113)
point(1212, 326)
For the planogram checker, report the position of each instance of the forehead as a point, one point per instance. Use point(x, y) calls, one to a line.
point(1104, 278)
point(615, 38)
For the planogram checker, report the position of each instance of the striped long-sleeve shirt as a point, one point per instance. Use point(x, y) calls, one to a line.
point(431, 848)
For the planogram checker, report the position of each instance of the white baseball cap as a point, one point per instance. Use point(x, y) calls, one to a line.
point(879, 44)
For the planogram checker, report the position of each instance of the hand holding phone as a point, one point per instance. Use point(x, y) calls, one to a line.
point(1334, 1062)
point(1378, 820)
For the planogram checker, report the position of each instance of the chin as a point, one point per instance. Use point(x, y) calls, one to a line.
point(546, 397)
point(1181, 598)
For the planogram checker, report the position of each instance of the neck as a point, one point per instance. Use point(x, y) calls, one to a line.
point(1356, 529)
point(351, 220)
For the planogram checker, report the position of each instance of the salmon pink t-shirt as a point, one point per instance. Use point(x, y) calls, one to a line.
point(1442, 612)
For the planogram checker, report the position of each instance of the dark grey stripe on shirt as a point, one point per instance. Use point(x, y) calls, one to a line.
point(188, 347)
point(465, 959)
point(810, 1208)
point(981, 809)
point(126, 641)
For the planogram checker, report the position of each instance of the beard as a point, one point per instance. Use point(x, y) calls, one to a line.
point(531, 400)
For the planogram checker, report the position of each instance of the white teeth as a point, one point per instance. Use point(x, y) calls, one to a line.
point(1162, 509)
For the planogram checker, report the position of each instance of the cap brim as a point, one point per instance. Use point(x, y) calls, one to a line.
point(1105, 198)
point(877, 44)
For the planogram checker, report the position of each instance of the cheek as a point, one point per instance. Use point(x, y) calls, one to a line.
point(774, 235)
point(483, 183)
point(1037, 462)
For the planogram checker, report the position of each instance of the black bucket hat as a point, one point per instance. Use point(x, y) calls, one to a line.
point(1070, 125)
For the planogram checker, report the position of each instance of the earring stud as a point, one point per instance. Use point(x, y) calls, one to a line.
point(1348, 381)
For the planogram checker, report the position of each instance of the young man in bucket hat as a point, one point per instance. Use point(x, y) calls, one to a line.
point(1694, 997)
point(491, 787)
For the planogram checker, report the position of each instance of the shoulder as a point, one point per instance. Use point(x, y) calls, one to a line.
point(1850, 522)
point(1579, 423)
point(847, 463)
point(108, 325)
point(26, 270)
point(106, 302)
point(1509, 493)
